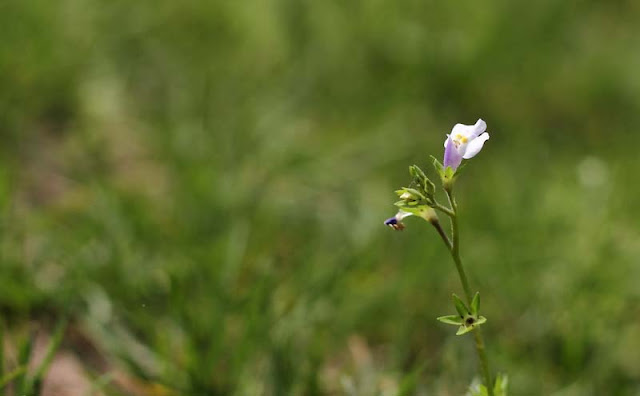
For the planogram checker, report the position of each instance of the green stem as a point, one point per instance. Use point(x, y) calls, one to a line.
point(484, 362)
point(444, 210)
point(454, 247)
point(442, 234)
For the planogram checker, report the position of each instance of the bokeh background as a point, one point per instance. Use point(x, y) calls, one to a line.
point(199, 187)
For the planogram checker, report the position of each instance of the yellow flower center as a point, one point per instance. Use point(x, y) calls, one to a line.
point(461, 138)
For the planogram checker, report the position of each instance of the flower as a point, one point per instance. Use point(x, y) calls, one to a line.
point(465, 141)
point(422, 211)
point(395, 222)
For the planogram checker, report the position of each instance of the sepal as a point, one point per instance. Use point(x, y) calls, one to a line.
point(437, 165)
point(460, 306)
point(470, 323)
point(455, 320)
point(447, 175)
point(475, 304)
point(467, 319)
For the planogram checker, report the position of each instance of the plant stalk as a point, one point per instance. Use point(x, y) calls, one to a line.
point(454, 248)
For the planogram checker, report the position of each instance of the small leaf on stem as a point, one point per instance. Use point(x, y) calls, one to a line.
point(475, 304)
point(464, 330)
point(455, 320)
point(460, 306)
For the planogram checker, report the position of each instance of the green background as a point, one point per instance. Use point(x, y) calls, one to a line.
point(201, 187)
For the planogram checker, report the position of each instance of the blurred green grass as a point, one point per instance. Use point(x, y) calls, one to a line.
point(201, 185)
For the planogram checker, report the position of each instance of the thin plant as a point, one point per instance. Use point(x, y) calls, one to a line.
point(418, 199)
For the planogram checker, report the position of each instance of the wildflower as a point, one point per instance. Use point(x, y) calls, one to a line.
point(422, 211)
point(465, 141)
point(395, 222)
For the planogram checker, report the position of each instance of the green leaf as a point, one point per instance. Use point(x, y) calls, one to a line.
point(451, 319)
point(475, 304)
point(460, 306)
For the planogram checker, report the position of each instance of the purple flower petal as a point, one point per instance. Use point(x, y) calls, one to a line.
point(451, 156)
point(394, 223)
point(390, 221)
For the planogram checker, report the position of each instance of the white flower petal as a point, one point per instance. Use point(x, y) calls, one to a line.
point(402, 214)
point(470, 131)
point(461, 149)
point(462, 129)
point(446, 140)
point(480, 126)
point(475, 146)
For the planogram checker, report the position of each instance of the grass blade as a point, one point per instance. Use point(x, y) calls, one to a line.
point(24, 354)
point(34, 383)
point(4, 381)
